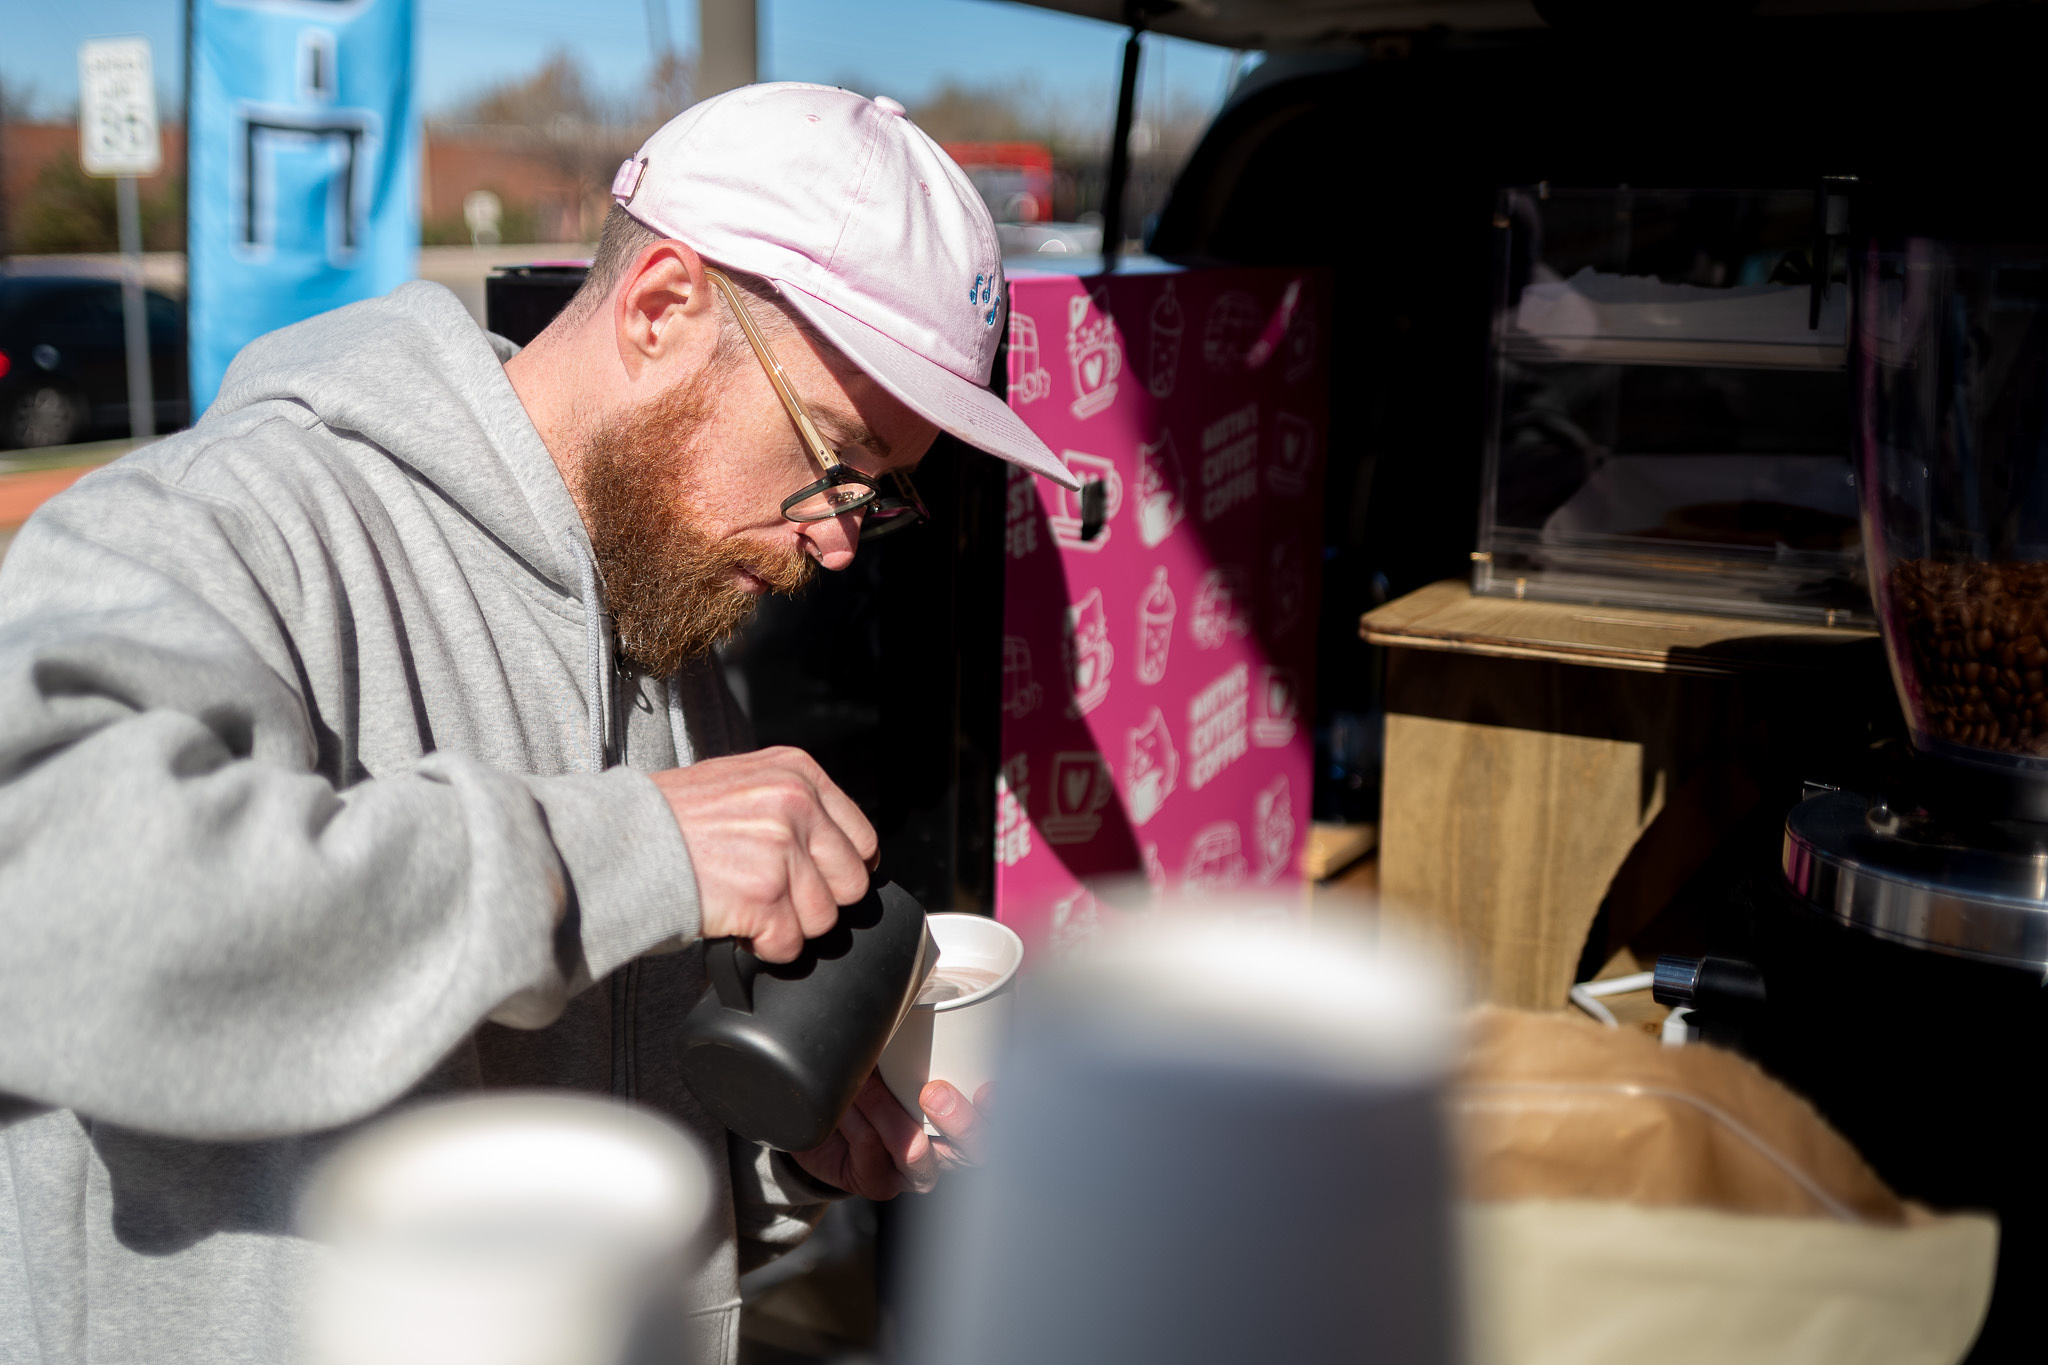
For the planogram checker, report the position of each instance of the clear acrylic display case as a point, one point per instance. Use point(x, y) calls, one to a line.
point(1670, 405)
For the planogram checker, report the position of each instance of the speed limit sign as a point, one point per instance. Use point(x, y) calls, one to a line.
point(117, 132)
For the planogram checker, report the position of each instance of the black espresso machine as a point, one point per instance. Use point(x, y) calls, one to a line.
point(1905, 948)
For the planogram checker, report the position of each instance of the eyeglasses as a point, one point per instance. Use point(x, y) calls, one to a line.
point(844, 489)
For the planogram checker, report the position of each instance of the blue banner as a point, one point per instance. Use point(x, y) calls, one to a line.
point(304, 166)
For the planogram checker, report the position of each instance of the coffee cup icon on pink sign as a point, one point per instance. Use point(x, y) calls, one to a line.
point(1273, 827)
point(1076, 918)
point(1162, 491)
point(1155, 870)
point(1089, 655)
point(1155, 628)
point(1279, 704)
point(1151, 767)
point(1067, 516)
point(1094, 353)
point(1293, 455)
point(1081, 787)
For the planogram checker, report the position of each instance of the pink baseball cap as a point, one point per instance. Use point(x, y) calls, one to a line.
point(864, 225)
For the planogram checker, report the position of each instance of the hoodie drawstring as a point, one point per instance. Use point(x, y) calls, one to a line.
point(624, 985)
point(595, 620)
point(678, 728)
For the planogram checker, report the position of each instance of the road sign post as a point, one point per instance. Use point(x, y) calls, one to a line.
point(118, 137)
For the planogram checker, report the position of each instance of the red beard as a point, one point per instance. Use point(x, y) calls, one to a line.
point(672, 586)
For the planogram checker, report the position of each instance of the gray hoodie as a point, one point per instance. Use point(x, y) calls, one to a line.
point(313, 760)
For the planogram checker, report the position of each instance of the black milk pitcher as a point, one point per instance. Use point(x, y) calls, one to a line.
point(777, 1050)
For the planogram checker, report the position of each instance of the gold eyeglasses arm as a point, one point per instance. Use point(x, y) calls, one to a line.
point(783, 389)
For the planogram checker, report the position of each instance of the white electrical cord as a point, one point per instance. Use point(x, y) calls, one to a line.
point(1586, 995)
point(1678, 1029)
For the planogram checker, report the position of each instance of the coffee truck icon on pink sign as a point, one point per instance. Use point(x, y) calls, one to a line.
point(1021, 691)
point(1215, 860)
point(1029, 379)
point(1221, 609)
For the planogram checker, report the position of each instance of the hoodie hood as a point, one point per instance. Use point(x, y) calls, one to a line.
point(413, 374)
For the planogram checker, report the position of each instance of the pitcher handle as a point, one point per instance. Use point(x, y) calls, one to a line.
point(731, 970)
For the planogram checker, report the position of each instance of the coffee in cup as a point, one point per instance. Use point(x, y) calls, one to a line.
point(951, 983)
point(955, 1029)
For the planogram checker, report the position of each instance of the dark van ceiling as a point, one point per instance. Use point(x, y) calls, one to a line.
point(1267, 25)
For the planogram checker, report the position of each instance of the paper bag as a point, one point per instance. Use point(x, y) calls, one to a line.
point(1631, 1202)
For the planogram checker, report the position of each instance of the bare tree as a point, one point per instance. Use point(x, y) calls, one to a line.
point(1076, 130)
point(579, 132)
point(671, 88)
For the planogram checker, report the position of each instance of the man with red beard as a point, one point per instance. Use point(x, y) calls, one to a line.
point(360, 743)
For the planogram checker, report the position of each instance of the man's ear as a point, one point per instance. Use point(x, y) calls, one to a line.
point(662, 309)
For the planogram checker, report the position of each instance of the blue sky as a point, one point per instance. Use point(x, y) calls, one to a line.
point(904, 48)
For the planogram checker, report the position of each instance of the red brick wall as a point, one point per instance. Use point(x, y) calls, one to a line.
point(458, 162)
point(26, 148)
point(454, 164)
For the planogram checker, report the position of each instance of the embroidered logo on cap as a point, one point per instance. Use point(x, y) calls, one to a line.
point(986, 293)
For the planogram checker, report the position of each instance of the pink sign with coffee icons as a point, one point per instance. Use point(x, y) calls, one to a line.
point(1159, 630)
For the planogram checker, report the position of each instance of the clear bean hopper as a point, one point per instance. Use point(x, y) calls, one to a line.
point(1950, 363)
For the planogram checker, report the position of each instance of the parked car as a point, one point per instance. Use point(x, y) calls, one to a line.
point(64, 359)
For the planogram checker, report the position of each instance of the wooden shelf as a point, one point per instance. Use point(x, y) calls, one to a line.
point(1333, 848)
point(1447, 616)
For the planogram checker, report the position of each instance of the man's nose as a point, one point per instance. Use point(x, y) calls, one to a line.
point(832, 543)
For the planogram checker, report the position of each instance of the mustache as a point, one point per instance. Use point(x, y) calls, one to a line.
point(785, 574)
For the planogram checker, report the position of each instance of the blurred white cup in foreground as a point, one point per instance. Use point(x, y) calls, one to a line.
point(522, 1229)
point(956, 1029)
point(1221, 1140)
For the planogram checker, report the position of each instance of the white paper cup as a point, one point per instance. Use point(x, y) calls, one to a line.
point(957, 1040)
point(506, 1229)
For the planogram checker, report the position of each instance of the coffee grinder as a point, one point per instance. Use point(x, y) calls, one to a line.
point(1905, 965)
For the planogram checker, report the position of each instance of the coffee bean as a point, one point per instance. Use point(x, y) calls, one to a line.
point(1976, 637)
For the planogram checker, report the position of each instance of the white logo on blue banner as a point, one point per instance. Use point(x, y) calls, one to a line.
point(304, 157)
